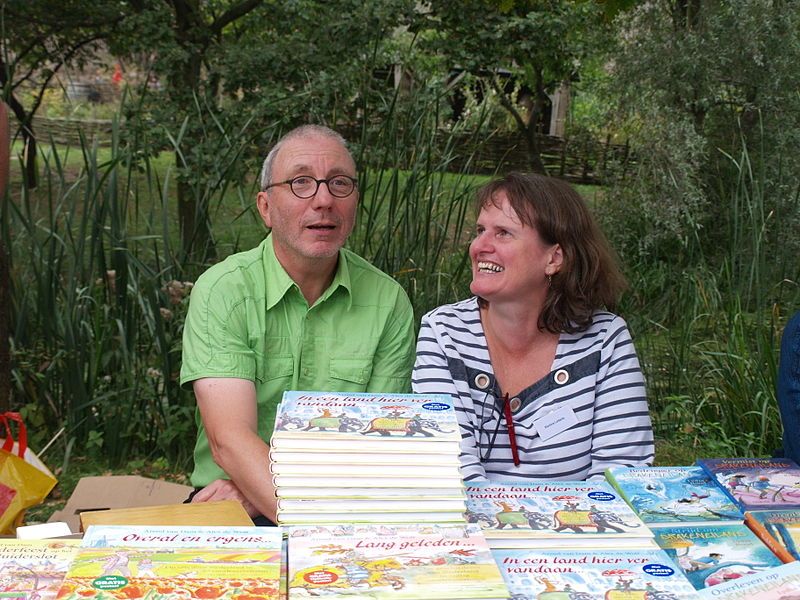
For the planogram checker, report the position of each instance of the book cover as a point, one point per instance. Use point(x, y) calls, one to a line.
point(757, 483)
point(360, 456)
point(224, 563)
point(293, 517)
point(352, 418)
point(779, 530)
point(34, 569)
point(367, 470)
point(539, 574)
point(565, 510)
point(673, 495)
point(384, 563)
point(711, 554)
point(777, 583)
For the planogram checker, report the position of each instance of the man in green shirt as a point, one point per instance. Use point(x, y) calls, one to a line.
point(298, 312)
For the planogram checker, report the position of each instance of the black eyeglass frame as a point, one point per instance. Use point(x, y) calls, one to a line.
point(291, 181)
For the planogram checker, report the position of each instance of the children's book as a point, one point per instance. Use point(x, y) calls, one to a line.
point(778, 529)
point(363, 481)
point(539, 574)
point(382, 563)
point(317, 505)
point(369, 492)
point(757, 483)
point(223, 563)
point(574, 512)
point(359, 456)
point(367, 470)
point(345, 421)
point(294, 517)
point(673, 495)
point(777, 583)
point(34, 569)
point(711, 554)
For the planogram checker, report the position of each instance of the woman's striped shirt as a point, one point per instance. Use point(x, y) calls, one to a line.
point(595, 384)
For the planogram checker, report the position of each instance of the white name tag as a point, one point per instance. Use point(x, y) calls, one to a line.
point(555, 422)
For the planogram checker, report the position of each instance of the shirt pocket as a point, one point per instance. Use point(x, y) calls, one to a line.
point(273, 367)
point(352, 373)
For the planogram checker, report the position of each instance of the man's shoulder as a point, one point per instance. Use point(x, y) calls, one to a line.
point(243, 269)
point(366, 277)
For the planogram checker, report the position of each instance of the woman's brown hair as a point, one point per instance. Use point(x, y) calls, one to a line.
point(590, 277)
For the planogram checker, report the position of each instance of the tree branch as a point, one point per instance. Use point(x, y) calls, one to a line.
point(233, 13)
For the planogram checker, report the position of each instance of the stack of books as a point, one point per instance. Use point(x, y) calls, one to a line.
point(372, 458)
point(408, 562)
point(34, 569)
point(699, 526)
point(564, 514)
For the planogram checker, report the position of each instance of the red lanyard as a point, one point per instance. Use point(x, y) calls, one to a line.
point(512, 438)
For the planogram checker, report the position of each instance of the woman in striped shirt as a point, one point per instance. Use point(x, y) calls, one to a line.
point(546, 383)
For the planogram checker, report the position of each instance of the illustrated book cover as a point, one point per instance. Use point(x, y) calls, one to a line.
point(673, 495)
point(778, 529)
point(711, 554)
point(538, 574)
point(192, 562)
point(403, 563)
point(777, 583)
point(34, 569)
point(757, 483)
point(381, 422)
point(575, 512)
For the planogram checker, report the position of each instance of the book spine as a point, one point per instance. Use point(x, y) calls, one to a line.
point(765, 536)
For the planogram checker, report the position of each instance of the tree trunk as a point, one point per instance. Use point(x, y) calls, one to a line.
point(5, 295)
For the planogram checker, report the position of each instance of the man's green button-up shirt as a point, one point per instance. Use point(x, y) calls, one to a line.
point(248, 319)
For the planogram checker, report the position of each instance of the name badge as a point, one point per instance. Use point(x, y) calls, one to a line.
point(555, 422)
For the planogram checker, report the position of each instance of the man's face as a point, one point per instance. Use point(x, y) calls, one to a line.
point(310, 228)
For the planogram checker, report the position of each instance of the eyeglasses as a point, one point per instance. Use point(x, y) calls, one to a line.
point(505, 414)
point(303, 186)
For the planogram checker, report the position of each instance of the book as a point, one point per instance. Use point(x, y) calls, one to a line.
point(34, 569)
point(711, 554)
point(361, 481)
point(591, 574)
point(778, 529)
point(191, 562)
point(344, 419)
point(360, 456)
point(366, 505)
point(777, 583)
point(381, 563)
point(572, 512)
point(425, 472)
point(384, 517)
point(369, 492)
point(673, 495)
point(757, 483)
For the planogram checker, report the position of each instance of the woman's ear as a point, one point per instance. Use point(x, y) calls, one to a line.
point(555, 261)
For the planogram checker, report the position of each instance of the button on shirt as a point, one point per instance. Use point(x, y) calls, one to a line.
point(248, 319)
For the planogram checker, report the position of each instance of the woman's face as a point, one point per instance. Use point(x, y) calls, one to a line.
point(510, 262)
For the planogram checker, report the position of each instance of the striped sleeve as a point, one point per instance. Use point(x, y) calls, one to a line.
point(432, 375)
point(622, 431)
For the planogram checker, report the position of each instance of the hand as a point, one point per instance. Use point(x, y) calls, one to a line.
point(225, 489)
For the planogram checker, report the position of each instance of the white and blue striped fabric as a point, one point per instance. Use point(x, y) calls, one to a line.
point(604, 388)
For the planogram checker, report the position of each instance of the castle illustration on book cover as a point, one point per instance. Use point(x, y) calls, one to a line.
point(757, 483)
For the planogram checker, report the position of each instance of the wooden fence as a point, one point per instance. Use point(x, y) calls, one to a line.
point(579, 160)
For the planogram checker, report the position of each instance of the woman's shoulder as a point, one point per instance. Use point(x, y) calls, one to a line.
point(465, 311)
point(604, 324)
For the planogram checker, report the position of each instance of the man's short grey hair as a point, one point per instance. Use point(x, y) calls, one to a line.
point(297, 132)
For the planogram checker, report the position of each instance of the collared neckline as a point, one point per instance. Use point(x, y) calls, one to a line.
point(279, 282)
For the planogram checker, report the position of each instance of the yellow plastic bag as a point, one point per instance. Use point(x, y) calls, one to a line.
point(24, 479)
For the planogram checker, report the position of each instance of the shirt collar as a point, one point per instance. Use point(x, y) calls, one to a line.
point(279, 282)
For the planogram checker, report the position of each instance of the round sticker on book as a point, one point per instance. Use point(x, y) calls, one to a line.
point(435, 406)
point(320, 577)
point(658, 570)
point(601, 496)
point(109, 582)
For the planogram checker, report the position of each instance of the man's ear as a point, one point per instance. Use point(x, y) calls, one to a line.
point(263, 205)
point(556, 260)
